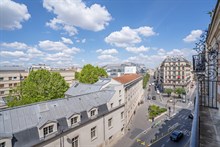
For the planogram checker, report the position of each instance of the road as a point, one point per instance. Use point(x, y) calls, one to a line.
point(159, 136)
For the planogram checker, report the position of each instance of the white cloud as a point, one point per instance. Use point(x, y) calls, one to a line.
point(108, 51)
point(128, 37)
point(66, 40)
point(71, 14)
point(57, 46)
point(193, 36)
point(12, 54)
point(137, 49)
point(107, 57)
point(12, 14)
point(146, 31)
point(57, 57)
point(84, 40)
point(15, 45)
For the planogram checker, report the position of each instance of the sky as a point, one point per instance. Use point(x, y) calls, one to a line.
point(63, 33)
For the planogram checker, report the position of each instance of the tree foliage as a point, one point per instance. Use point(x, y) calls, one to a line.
point(90, 74)
point(168, 91)
point(40, 85)
point(145, 80)
point(154, 111)
point(180, 91)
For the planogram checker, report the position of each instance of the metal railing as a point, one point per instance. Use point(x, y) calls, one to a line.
point(194, 140)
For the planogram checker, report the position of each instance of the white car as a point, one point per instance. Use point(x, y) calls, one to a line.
point(158, 92)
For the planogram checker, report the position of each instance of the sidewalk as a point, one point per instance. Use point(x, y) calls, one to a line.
point(139, 125)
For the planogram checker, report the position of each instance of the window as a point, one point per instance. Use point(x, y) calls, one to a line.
point(92, 113)
point(10, 78)
point(2, 144)
point(110, 138)
point(15, 84)
point(48, 130)
point(1, 78)
point(122, 115)
point(110, 122)
point(93, 133)
point(111, 105)
point(74, 120)
point(119, 92)
point(2, 92)
point(10, 85)
point(119, 102)
point(75, 141)
point(15, 78)
point(1, 85)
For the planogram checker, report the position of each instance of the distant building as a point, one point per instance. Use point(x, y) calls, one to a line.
point(175, 72)
point(130, 70)
point(35, 67)
point(89, 115)
point(10, 77)
point(116, 70)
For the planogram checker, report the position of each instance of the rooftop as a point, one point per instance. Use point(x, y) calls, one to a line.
point(175, 59)
point(127, 78)
point(12, 68)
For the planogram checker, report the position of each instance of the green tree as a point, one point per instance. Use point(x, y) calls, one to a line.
point(180, 91)
point(168, 91)
point(40, 85)
point(145, 80)
point(77, 75)
point(91, 74)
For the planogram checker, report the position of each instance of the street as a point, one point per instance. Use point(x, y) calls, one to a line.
point(157, 133)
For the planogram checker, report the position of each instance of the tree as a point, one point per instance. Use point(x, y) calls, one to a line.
point(180, 91)
point(145, 80)
point(40, 85)
point(91, 74)
point(77, 75)
point(168, 91)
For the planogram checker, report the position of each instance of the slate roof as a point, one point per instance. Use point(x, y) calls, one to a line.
point(12, 68)
point(81, 88)
point(175, 59)
point(18, 119)
point(127, 78)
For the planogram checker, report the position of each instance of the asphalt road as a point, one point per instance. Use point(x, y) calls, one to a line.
point(160, 135)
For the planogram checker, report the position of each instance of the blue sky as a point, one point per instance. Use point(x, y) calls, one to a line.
point(74, 32)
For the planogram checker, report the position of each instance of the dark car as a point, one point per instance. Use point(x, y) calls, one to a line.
point(191, 116)
point(153, 97)
point(176, 135)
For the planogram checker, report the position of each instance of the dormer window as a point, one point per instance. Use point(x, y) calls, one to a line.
point(74, 120)
point(92, 113)
point(48, 130)
point(111, 105)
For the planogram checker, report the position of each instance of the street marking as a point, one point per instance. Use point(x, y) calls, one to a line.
point(138, 140)
point(168, 140)
point(162, 145)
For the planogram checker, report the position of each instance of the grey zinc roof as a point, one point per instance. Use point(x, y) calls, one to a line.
point(81, 88)
point(12, 68)
point(18, 119)
point(175, 59)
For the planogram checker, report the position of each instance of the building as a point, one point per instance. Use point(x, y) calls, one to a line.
point(206, 64)
point(133, 93)
point(10, 77)
point(116, 70)
point(68, 75)
point(35, 67)
point(175, 72)
point(89, 115)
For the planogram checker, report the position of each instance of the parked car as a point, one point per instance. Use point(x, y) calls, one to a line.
point(153, 97)
point(191, 116)
point(176, 135)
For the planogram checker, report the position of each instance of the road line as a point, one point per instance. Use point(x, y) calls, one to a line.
point(168, 140)
point(162, 145)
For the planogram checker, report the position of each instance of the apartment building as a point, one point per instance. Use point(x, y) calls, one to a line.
point(175, 72)
point(133, 93)
point(89, 115)
point(10, 77)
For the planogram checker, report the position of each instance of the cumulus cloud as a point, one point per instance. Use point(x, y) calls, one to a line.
point(72, 14)
point(15, 45)
point(66, 40)
point(128, 37)
point(137, 49)
point(12, 54)
point(107, 57)
point(107, 51)
point(57, 57)
point(12, 14)
point(193, 36)
point(57, 46)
